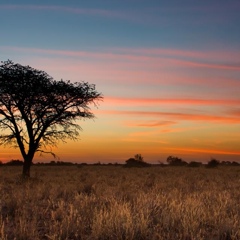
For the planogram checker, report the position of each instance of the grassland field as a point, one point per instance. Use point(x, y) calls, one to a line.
point(112, 202)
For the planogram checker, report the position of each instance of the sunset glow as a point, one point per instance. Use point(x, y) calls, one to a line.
point(169, 74)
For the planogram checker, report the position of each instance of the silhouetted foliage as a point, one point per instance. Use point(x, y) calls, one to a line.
point(137, 161)
point(83, 164)
point(97, 163)
point(226, 163)
point(194, 164)
point(59, 163)
point(37, 111)
point(235, 164)
point(14, 163)
point(138, 157)
point(175, 161)
point(213, 163)
point(1, 163)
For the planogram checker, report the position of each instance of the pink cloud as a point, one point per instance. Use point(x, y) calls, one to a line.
point(67, 53)
point(229, 55)
point(176, 116)
point(155, 61)
point(235, 112)
point(151, 124)
point(157, 101)
point(113, 69)
point(207, 65)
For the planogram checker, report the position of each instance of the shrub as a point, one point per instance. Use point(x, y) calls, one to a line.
point(213, 163)
point(194, 164)
point(226, 163)
point(175, 161)
point(137, 161)
point(138, 157)
point(14, 163)
point(234, 163)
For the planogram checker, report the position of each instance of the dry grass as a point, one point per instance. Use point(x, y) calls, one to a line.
point(98, 202)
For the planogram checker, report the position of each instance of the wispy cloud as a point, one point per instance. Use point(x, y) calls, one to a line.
point(205, 150)
point(235, 112)
point(177, 116)
point(155, 57)
point(229, 55)
point(158, 101)
point(72, 10)
point(207, 65)
point(150, 124)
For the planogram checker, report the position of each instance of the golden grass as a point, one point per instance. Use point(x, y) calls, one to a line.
point(109, 202)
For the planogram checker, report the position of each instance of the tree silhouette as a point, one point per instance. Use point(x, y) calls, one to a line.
point(175, 161)
point(213, 163)
point(36, 111)
point(138, 157)
point(137, 161)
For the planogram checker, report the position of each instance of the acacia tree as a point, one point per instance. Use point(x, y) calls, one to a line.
point(36, 111)
point(138, 157)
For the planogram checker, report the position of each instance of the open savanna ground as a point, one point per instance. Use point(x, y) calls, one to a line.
point(112, 202)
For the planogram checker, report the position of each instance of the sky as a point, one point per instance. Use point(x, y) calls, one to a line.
point(169, 72)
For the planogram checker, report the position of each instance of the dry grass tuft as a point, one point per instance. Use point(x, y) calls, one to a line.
point(107, 202)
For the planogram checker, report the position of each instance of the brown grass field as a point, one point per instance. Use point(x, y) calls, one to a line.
point(112, 202)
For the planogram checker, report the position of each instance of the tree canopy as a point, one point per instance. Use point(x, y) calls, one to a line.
point(175, 161)
point(37, 111)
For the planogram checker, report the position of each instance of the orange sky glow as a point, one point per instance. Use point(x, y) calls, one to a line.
point(170, 86)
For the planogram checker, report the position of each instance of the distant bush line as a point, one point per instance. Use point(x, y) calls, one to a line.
point(137, 161)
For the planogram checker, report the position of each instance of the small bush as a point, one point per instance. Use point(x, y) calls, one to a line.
point(14, 163)
point(137, 161)
point(195, 164)
point(175, 161)
point(234, 163)
point(213, 163)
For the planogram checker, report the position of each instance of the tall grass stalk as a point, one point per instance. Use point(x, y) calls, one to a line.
point(111, 202)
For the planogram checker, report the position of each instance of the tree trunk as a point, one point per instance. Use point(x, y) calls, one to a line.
point(26, 168)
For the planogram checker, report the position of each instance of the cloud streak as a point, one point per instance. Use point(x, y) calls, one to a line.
point(151, 124)
point(78, 11)
point(158, 101)
point(170, 57)
point(204, 150)
point(177, 116)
